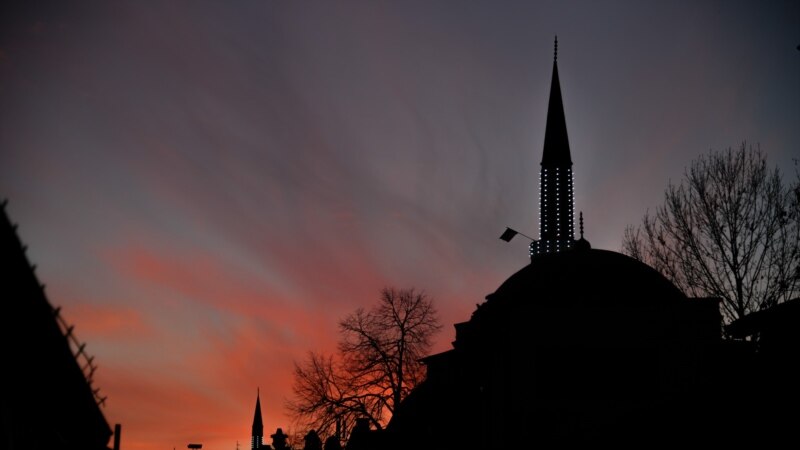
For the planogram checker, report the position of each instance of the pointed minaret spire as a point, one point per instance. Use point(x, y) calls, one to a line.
point(258, 426)
point(556, 143)
point(556, 204)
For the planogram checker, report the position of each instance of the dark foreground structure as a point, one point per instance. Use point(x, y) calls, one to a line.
point(587, 347)
point(580, 347)
point(47, 400)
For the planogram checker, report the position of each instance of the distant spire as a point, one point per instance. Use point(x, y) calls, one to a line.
point(258, 424)
point(581, 222)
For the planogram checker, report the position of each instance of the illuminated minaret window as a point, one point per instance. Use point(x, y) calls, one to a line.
point(556, 201)
point(258, 426)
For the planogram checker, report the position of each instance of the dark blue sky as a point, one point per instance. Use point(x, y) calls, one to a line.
point(221, 181)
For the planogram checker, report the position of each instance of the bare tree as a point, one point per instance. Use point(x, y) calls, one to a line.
point(729, 230)
point(377, 366)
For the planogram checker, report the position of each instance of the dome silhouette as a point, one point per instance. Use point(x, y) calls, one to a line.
point(577, 347)
point(588, 276)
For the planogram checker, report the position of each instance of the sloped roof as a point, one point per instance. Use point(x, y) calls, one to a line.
point(52, 405)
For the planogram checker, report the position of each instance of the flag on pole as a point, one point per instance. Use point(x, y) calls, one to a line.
point(508, 234)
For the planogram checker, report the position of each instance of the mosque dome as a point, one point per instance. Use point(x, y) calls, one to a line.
point(587, 276)
point(576, 295)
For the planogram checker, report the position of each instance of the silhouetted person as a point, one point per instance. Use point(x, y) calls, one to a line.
point(279, 440)
point(332, 443)
point(312, 441)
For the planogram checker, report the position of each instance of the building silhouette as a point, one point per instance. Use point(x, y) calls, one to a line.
point(772, 372)
point(48, 400)
point(584, 347)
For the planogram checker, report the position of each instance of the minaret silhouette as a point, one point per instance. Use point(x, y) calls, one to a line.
point(556, 201)
point(258, 426)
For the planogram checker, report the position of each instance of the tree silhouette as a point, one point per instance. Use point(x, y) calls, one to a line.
point(378, 364)
point(728, 230)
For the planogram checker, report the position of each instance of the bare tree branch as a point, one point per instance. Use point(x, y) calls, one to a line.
point(378, 364)
point(729, 230)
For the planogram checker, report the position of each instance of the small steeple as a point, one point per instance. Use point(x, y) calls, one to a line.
point(582, 244)
point(258, 425)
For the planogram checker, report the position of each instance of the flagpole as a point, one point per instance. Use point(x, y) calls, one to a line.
point(523, 234)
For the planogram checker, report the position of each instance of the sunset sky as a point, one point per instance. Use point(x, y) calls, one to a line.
point(207, 187)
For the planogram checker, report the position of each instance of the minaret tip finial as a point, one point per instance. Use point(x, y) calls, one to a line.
point(555, 50)
point(580, 215)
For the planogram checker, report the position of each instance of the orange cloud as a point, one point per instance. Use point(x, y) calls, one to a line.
point(109, 322)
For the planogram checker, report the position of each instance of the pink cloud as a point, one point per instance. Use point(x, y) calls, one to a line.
point(109, 322)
